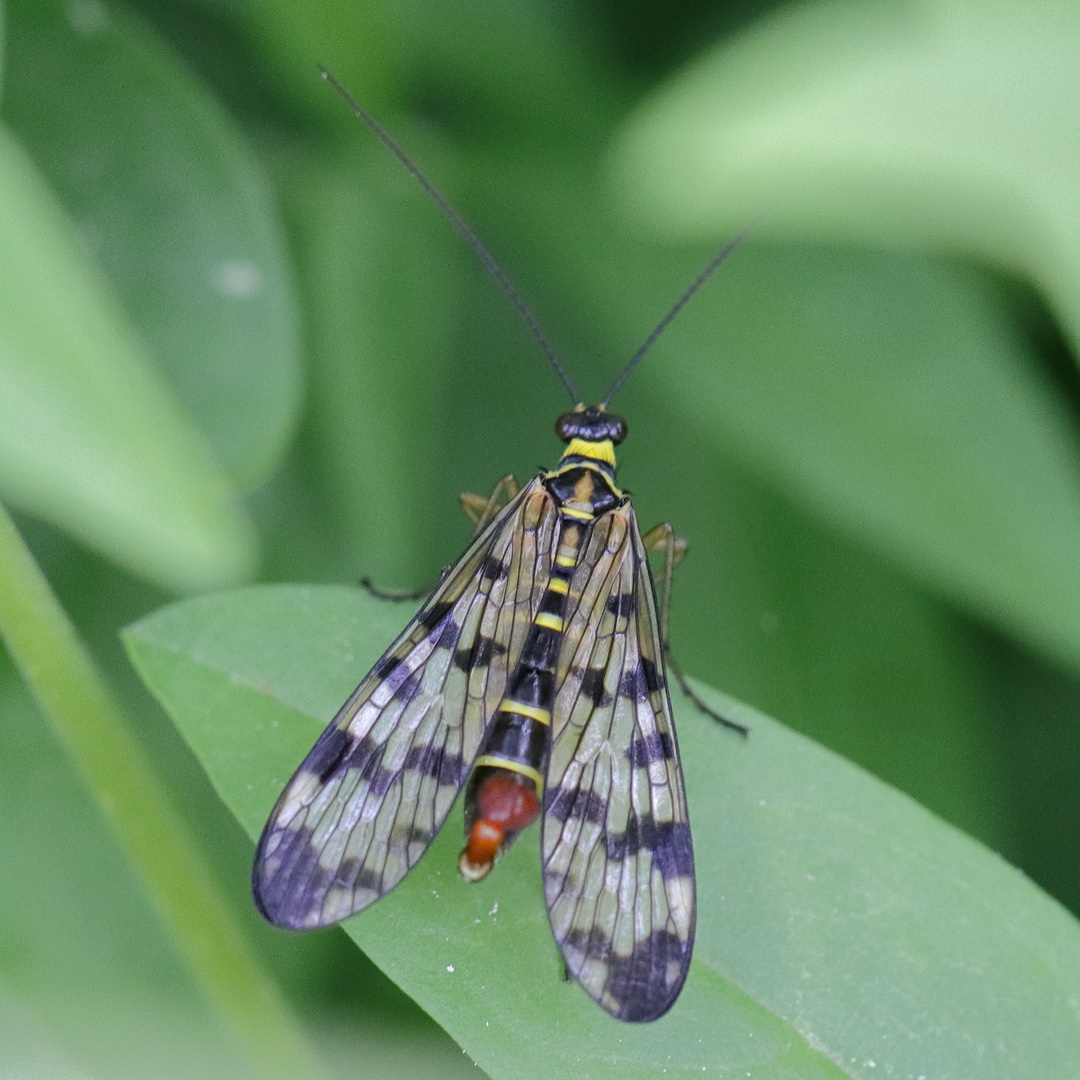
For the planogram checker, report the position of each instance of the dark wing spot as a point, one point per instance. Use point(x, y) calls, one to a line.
point(592, 686)
point(294, 885)
point(435, 615)
point(648, 981)
point(493, 568)
point(594, 941)
point(673, 855)
point(668, 842)
point(656, 746)
point(480, 654)
point(362, 755)
point(622, 604)
point(380, 781)
point(654, 674)
point(361, 877)
point(282, 887)
point(327, 754)
point(436, 762)
point(408, 688)
point(566, 803)
point(367, 757)
point(448, 636)
point(632, 684)
point(385, 666)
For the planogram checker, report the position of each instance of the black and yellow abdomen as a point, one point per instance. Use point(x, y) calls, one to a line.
point(507, 783)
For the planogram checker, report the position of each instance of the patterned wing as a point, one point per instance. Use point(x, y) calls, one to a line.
point(618, 862)
point(377, 786)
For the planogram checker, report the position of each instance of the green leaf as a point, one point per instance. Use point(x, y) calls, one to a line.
point(175, 208)
point(29, 1052)
point(348, 36)
point(90, 976)
point(780, 610)
point(891, 394)
point(946, 123)
point(84, 957)
point(90, 435)
point(923, 427)
point(843, 930)
point(379, 266)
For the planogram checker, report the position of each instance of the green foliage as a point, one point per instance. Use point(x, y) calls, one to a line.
point(866, 426)
point(817, 881)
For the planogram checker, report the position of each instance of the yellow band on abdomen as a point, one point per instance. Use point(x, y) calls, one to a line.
point(541, 716)
point(492, 762)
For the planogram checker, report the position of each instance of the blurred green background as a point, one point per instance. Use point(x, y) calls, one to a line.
point(237, 343)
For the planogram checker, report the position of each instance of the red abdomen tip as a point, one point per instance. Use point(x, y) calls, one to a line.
point(506, 802)
point(508, 799)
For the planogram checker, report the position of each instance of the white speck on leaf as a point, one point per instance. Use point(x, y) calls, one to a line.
point(87, 16)
point(237, 279)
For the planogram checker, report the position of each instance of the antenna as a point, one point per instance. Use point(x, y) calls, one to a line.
point(711, 267)
point(462, 227)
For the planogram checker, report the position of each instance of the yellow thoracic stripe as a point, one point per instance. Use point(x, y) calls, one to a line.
point(541, 716)
point(552, 622)
point(598, 451)
point(493, 762)
point(559, 585)
point(578, 515)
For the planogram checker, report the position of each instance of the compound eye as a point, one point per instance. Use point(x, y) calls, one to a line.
point(618, 429)
point(592, 425)
point(566, 426)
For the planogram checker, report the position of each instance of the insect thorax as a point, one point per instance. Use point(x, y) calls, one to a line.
point(583, 483)
point(583, 490)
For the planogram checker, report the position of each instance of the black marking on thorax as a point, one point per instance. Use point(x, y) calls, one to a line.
point(583, 486)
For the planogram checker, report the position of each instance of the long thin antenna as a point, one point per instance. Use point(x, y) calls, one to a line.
point(711, 267)
point(462, 227)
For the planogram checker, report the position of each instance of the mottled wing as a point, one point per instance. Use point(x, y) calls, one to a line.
point(377, 786)
point(618, 862)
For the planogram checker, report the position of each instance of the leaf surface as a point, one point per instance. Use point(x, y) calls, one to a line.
point(176, 210)
point(91, 436)
point(843, 930)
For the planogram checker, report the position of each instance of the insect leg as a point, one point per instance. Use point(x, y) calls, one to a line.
point(380, 593)
point(664, 538)
point(481, 510)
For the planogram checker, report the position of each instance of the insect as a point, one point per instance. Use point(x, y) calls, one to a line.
point(534, 676)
